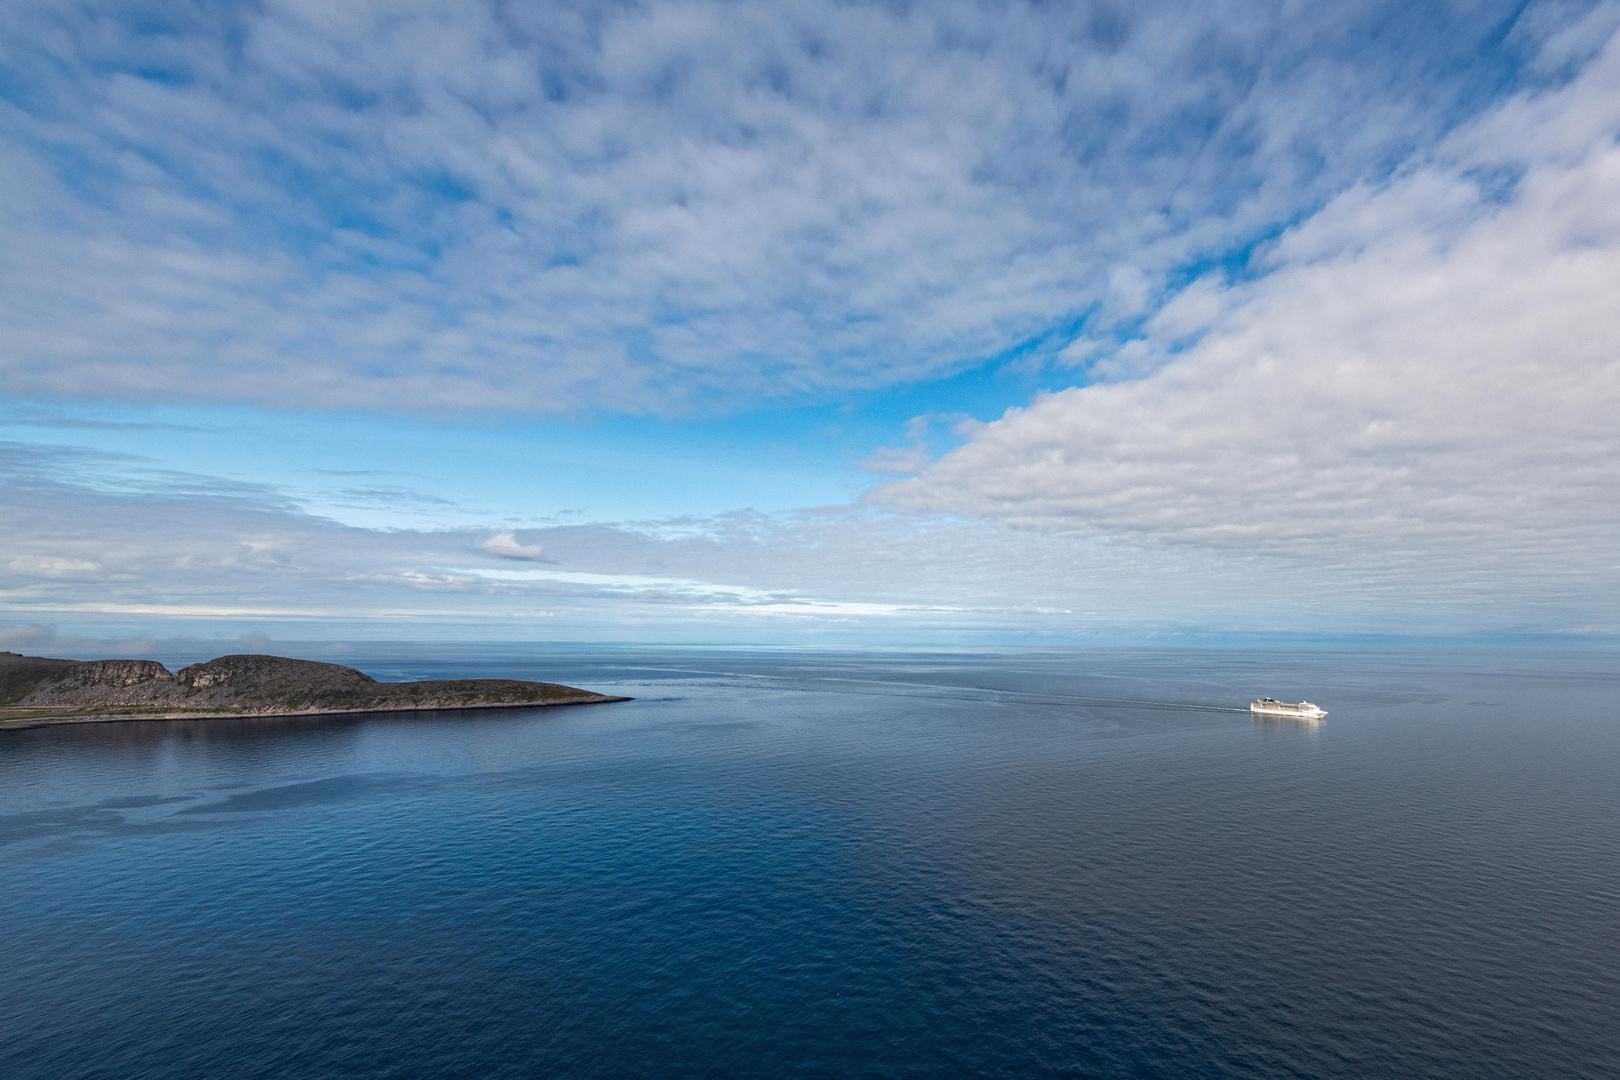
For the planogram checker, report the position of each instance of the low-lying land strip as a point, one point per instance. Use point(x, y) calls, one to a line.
point(38, 690)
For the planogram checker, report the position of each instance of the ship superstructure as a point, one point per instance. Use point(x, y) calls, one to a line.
point(1271, 707)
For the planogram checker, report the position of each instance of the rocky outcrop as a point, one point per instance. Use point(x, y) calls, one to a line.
point(40, 681)
point(36, 689)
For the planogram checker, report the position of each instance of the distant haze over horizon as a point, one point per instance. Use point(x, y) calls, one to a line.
point(808, 322)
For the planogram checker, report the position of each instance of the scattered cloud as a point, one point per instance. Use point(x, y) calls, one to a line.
point(389, 497)
point(70, 423)
point(1421, 386)
point(739, 598)
point(1343, 304)
point(468, 205)
point(150, 566)
point(507, 547)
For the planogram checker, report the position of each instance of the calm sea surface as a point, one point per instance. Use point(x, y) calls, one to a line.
point(817, 863)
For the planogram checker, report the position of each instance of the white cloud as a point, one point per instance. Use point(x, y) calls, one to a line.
point(1406, 422)
point(49, 566)
point(468, 205)
point(229, 566)
point(164, 566)
point(1423, 388)
point(507, 547)
point(733, 598)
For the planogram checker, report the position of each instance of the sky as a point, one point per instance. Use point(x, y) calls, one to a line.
point(808, 322)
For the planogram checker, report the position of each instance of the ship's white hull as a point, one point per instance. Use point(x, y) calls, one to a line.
point(1303, 711)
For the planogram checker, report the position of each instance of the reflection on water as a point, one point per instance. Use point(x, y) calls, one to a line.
point(829, 863)
point(1294, 723)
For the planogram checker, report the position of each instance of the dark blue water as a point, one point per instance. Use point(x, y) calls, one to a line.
point(781, 864)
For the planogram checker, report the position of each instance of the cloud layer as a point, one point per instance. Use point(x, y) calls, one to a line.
point(1423, 386)
point(459, 204)
point(190, 560)
point(1341, 283)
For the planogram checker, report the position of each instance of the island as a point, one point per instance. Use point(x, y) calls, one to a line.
point(36, 690)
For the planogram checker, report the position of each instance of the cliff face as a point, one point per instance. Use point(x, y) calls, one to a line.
point(39, 689)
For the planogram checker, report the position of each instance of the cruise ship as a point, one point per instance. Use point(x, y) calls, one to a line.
point(1303, 711)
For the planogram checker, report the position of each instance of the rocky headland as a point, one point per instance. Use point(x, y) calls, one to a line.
point(39, 690)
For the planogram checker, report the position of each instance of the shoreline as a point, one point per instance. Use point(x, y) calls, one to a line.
point(56, 717)
point(40, 691)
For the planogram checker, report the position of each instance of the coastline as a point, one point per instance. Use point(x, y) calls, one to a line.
point(40, 691)
point(11, 721)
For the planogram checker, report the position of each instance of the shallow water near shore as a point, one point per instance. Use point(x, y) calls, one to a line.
point(835, 863)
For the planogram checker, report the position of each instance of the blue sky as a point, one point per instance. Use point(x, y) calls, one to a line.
point(807, 321)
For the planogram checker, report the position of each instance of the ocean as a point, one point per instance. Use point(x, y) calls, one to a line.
point(835, 863)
